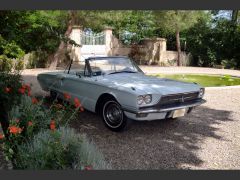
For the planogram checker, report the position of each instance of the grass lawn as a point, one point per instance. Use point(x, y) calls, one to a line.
point(204, 80)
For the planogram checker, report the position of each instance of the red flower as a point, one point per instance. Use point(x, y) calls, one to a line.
point(52, 125)
point(15, 130)
point(34, 100)
point(30, 123)
point(1, 136)
point(77, 102)
point(21, 90)
point(7, 90)
point(88, 168)
point(26, 86)
point(66, 96)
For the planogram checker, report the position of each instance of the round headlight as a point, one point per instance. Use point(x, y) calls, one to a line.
point(148, 99)
point(201, 92)
point(140, 100)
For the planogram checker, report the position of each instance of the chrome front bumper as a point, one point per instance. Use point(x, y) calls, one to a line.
point(161, 113)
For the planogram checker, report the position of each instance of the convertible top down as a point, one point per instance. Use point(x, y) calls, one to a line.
point(117, 89)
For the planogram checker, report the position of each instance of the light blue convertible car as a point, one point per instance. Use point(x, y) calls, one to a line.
point(118, 90)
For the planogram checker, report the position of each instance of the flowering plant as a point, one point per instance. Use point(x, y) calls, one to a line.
point(33, 115)
point(9, 96)
point(38, 136)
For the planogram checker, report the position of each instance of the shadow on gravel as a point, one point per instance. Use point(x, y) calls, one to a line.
point(163, 144)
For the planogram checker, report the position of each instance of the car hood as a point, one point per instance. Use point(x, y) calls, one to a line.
point(142, 84)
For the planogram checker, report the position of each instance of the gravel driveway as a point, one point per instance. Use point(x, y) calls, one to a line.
point(209, 138)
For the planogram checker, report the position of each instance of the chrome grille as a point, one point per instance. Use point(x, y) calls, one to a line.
point(178, 98)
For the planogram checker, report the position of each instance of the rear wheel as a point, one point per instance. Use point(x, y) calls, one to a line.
point(113, 116)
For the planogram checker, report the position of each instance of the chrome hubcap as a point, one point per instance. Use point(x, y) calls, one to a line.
point(113, 114)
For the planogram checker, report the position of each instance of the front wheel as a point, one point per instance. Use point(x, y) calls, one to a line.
point(113, 116)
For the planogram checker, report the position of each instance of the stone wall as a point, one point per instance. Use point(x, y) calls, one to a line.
point(149, 51)
point(121, 51)
point(170, 58)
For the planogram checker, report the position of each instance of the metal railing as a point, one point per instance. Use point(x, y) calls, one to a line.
point(93, 38)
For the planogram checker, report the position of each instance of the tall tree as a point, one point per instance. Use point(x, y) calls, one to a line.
point(131, 26)
point(177, 21)
point(234, 16)
point(59, 53)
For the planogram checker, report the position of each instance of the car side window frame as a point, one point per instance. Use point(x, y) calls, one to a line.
point(87, 68)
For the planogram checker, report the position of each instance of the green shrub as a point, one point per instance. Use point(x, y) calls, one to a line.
point(9, 95)
point(6, 64)
point(39, 114)
point(27, 111)
point(10, 56)
point(36, 138)
point(59, 149)
point(37, 59)
point(229, 64)
point(209, 44)
point(19, 64)
point(10, 49)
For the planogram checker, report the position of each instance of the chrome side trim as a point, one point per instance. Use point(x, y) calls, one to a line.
point(154, 110)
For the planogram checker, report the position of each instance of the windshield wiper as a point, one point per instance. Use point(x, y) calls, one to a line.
point(122, 72)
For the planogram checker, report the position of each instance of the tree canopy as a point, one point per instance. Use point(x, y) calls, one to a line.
point(33, 30)
point(212, 37)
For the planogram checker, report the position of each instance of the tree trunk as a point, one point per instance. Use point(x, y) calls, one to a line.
point(234, 16)
point(178, 45)
point(62, 47)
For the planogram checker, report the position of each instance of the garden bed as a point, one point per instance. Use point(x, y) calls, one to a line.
point(36, 132)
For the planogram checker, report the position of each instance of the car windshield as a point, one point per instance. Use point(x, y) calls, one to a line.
point(113, 66)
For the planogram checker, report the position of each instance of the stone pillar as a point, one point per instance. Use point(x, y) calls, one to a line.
point(108, 40)
point(76, 36)
point(162, 49)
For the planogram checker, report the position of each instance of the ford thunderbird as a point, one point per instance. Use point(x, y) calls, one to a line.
point(118, 90)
